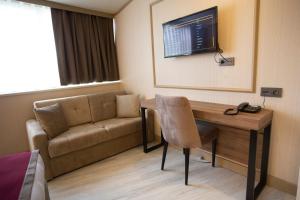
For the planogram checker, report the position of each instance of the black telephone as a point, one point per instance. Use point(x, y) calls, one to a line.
point(243, 107)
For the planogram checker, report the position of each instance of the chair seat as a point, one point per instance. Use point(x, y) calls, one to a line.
point(207, 132)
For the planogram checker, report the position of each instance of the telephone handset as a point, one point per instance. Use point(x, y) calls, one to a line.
point(243, 107)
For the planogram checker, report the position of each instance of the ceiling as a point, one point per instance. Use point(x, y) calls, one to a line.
point(106, 6)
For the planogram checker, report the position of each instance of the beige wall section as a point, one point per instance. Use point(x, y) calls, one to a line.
point(16, 109)
point(278, 66)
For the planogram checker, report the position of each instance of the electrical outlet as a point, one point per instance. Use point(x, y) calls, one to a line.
point(271, 92)
point(226, 62)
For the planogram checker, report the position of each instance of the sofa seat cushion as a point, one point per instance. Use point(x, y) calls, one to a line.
point(77, 138)
point(118, 127)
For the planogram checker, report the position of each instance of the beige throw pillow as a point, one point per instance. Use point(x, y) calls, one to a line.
point(128, 105)
point(52, 119)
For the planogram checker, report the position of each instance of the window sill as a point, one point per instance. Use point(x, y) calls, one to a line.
point(60, 88)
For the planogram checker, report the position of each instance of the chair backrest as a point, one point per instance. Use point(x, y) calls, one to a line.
point(177, 121)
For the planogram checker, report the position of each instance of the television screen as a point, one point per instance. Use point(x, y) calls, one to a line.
point(192, 34)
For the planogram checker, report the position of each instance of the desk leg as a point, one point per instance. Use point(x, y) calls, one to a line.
point(252, 191)
point(251, 166)
point(145, 135)
point(144, 127)
point(264, 161)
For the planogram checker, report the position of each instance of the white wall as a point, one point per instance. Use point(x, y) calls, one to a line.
point(278, 66)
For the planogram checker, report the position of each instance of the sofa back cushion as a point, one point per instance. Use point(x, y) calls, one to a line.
point(76, 109)
point(52, 119)
point(103, 106)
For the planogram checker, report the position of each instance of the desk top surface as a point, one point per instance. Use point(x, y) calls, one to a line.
point(214, 112)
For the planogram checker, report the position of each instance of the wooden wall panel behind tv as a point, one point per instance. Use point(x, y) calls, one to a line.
point(237, 27)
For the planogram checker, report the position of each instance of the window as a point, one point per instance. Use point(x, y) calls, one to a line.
point(27, 49)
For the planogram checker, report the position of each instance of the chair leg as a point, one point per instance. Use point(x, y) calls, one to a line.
point(187, 160)
point(164, 155)
point(213, 151)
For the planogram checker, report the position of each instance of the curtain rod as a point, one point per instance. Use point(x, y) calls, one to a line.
point(68, 8)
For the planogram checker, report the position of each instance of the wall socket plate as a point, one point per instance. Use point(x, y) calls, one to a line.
point(271, 92)
point(226, 62)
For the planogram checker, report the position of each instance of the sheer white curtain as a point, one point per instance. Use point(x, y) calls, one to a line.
point(27, 49)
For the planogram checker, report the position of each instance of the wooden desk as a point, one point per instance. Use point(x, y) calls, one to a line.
point(244, 123)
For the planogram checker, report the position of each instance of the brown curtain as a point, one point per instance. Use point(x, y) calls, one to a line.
point(85, 47)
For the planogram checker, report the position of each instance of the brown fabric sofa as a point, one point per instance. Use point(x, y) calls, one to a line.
point(95, 133)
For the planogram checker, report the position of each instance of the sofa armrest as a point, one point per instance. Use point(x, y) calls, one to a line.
point(38, 140)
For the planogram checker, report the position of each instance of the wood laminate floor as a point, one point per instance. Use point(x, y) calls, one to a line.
point(135, 175)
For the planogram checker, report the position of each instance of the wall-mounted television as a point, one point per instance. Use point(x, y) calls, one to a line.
point(192, 34)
